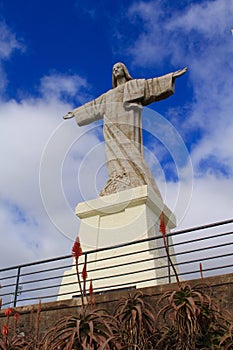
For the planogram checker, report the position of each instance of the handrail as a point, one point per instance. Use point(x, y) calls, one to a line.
point(20, 286)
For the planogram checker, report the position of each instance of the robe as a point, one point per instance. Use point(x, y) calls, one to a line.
point(121, 110)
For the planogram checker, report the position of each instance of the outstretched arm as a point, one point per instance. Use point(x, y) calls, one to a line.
point(89, 112)
point(69, 115)
point(180, 72)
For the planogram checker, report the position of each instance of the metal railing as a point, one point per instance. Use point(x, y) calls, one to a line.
point(132, 265)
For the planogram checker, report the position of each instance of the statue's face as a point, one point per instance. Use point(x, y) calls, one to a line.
point(118, 71)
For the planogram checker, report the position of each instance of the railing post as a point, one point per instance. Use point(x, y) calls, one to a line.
point(168, 262)
point(17, 286)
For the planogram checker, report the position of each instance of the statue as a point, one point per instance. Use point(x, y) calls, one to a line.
point(121, 110)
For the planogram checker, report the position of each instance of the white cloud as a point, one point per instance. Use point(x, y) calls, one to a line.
point(148, 47)
point(210, 18)
point(179, 34)
point(8, 42)
point(198, 36)
point(25, 128)
point(60, 86)
point(211, 201)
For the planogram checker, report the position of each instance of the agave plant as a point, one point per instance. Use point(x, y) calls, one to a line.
point(90, 329)
point(136, 319)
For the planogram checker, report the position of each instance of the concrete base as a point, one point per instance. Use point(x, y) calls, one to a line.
point(116, 220)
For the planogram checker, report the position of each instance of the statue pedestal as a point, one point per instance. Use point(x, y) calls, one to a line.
point(116, 220)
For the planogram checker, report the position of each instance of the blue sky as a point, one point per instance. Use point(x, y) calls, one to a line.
point(56, 55)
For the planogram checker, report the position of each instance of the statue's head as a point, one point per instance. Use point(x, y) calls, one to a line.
point(119, 70)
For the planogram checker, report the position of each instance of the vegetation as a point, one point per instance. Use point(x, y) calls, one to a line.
point(187, 318)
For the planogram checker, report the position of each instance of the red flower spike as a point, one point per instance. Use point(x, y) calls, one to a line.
point(201, 270)
point(9, 311)
point(16, 316)
point(77, 250)
point(162, 224)
point(5, 330)
point(84, 272)
point(91, 288)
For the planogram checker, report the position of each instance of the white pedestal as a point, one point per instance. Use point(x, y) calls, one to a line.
point(119, 219)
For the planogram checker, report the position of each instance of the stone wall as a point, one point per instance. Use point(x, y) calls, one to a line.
point(221, 286)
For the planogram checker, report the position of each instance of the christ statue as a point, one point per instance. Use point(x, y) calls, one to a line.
point(121, 111)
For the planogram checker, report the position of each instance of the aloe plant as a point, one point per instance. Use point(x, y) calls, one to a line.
point(183, 308)
point(136, 319)
point(90, 329)
point(226, 340)
point(18, 342)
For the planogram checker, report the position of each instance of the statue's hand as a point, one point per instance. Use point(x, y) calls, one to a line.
point(69, 115)
point(180, 72)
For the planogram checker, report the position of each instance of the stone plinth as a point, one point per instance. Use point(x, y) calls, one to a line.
point(116, 220)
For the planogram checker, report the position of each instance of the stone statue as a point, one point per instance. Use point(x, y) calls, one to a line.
point(121, 110)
